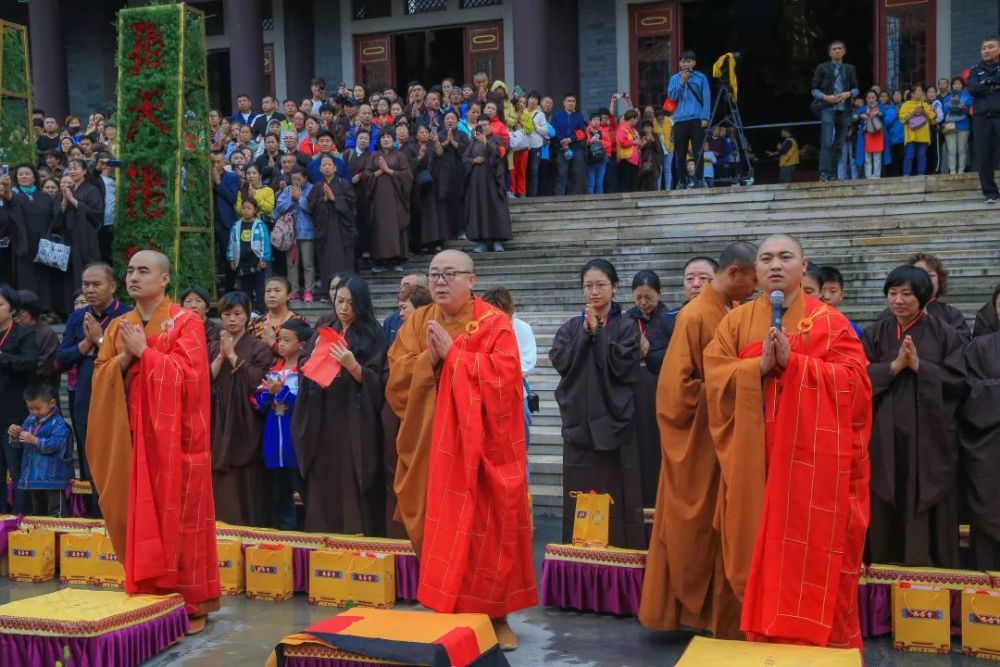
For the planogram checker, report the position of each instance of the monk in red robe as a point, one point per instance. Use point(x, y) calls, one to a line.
point(149, 443)
point(461, 478)
point(790, 412)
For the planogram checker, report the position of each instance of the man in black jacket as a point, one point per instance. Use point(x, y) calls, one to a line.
point(833, 85)
point(984, 86)
point(270, 112)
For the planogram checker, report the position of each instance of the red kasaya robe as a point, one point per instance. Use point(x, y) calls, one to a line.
point(149, 450)
point(476, 554)
point(817, 415)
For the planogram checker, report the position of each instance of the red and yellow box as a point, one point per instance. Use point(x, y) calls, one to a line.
point(31, 555)
point(269, 573)
point(342, 578)
point(921, 618)
point(232, 570)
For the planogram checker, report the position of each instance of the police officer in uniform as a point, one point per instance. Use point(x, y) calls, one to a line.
point(984, 86)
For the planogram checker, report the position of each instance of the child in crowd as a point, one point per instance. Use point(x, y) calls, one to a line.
point(708, 171)
point(46, 465)
point(664, 128)
point(249, 252)
point(917, 117)
point(275, 397)
point(787, 153)
point(872, 127)
point(597, 156)
point(812, 281)
point(650, 159)
point(832, 290)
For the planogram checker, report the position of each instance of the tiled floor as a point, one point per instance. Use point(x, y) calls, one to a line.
point(245, 631)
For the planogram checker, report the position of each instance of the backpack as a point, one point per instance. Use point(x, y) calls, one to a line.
point(283, 234)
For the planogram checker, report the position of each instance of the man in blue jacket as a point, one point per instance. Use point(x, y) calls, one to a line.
point(571, 130)
point(226, 185)
point(984, 86)
point(689, 89)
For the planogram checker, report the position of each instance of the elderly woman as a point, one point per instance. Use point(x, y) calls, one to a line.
point(597, 356)
point(917, 371)
point(655, 323)
point(82, 209)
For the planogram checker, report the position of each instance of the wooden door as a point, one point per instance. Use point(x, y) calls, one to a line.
point(654, 46)
point(374, 65)
point(484, 50)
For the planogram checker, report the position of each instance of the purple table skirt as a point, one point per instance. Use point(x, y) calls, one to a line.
point(127, 647)
point(586, 587)
point(407, 573)
point(875, 609)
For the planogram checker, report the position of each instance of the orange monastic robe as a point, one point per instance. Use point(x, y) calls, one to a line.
point(794, 504)
point(149, 452)
point(462, 473)
point(685, 583)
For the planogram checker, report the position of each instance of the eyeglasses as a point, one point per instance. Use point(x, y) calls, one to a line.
point(596, 287)
point(449, 276)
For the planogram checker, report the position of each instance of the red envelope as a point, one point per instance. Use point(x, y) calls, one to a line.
point(321, 367)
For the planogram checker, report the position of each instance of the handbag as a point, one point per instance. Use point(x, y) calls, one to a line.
point(53, 253)
point(425, 178)
point(518, 140)
point(916, 122)
point(873, 125)
point(949, 127)
point(283, 234)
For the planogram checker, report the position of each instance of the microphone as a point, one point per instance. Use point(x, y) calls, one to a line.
point(777, 303)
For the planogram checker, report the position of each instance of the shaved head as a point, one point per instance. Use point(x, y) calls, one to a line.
point(147, 277)
point(414, 279)
point(455, 259)
point(451, 278)
point(773, 238)
point(152, 258)
point(740, 253)
point(781, 264)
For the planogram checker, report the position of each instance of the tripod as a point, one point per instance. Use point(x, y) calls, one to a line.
point(732, 118)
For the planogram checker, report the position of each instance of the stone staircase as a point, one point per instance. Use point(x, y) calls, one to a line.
point(865, 228)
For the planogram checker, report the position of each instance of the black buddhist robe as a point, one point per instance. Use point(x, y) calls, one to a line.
point(426, 226)
point(238, 481)
point(389, 201)
point(357, 165)
point(487, 216)
point(914, 444)
point(335, 227)
point(450, 183)
point(657, 328)
point(596, 397)
point(32, 218)
point(979, 434)
point(338, 443)
point(986, 321)
point(78, 226)
point(944, 312)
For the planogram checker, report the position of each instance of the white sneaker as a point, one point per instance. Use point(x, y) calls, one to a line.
point(497, 247)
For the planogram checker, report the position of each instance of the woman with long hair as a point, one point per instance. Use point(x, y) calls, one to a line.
point(343, 475)
point(238, 362)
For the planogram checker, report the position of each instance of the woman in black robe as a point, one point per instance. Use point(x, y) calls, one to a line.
point(332, 205)
point(337, 431)
point(238, 363)
point(939, 287)
point(388, 181)
point(449, 176)
point(358, 160)
point(655, 324)
point(32, 214)
point(431, 230)
point(917, 370)
point(487, 216)
point(82, 215)
point(597, 357)
point(987, 321)
point(979, 434)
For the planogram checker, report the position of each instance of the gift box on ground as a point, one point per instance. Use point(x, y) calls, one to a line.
point(31, 555)
point(921, 618)
point(89, 558)
point(981, 623)
point(96, 627)
point(342, 578)
point(232, 571)
point(269, 572)
point(590, 521)
point(704, 652)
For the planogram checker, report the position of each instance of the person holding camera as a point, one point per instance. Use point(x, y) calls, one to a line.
point(984, 86)
point(833, 84)
point(689, 89)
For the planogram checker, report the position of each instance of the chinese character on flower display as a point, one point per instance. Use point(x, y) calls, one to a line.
point(145, 109)
point(148, 47)
point(146, 184)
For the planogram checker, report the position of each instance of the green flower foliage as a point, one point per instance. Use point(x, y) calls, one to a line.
point(16, 141)
point(164, 199)
point(15, 55)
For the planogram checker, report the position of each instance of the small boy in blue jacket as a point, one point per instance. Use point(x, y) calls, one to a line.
point(46, 466)
point(275, 397)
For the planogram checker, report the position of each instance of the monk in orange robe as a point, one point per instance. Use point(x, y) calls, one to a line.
point(461, 478)
point(149, 443)
point(790, 411)
point(685, 583)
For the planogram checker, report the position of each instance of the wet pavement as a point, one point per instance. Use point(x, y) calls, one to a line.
point(244, 632)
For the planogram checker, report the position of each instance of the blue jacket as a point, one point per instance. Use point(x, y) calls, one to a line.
point(966, 99)
point(304, 229)
point(69, 355)
point(260, 242)
point(279, 449)
point(315, 175)
point(391, 326)
point(225, 202)
point(46, 466)
point(694, 99)
point(566, 126)
point(859, 144)
point(352, 138)
point(893, 126)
